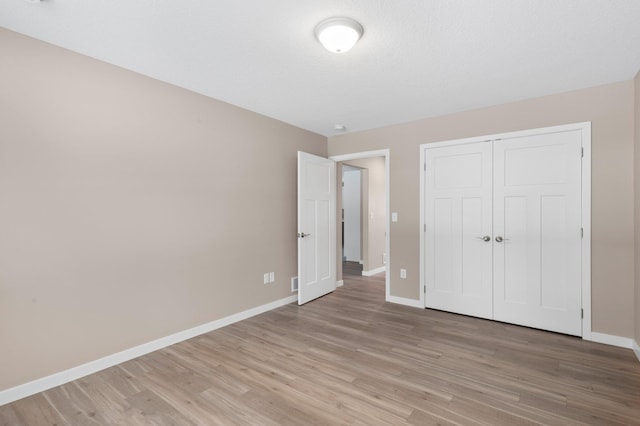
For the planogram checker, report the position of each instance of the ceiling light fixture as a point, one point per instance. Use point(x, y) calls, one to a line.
point(338, 35)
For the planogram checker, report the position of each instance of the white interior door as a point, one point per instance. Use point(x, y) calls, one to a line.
point(316, 227)
point(537, 231)
point(458, 250)
point(351, 197)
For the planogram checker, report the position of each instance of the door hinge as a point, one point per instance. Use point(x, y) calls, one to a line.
point(581, 313)
point(582, 152)
point(425, 228)
point(582, 232)
point(425, 289)
point(425, 167)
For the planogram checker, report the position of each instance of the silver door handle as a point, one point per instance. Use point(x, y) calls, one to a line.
point(302, 235)
point(486, 238)
point(500, 239)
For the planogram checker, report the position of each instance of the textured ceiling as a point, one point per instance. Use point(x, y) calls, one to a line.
point(418, 58)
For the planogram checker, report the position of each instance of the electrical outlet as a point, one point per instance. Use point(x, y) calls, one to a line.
point(294, 284)
point(403, 273)
point(266, 278)
point(272, 277)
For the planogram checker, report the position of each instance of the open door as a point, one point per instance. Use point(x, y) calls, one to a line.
point(316, 227)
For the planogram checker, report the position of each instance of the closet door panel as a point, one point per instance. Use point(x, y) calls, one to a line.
point(517, 258)
point(458, 274)
point(537, 215)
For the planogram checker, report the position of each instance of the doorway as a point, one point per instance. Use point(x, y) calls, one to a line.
point(352, 223)
point(373, 170)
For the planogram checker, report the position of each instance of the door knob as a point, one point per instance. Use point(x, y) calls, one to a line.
point(302, 235)
point(500, 239)
point(486, 238)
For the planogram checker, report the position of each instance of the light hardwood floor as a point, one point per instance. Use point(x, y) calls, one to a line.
point(350, 358)
point(351, 268)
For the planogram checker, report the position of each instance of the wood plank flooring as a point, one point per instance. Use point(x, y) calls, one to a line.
point(350, 358)
point(351, 268)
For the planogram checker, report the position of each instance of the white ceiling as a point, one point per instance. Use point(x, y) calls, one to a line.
point(418, 58)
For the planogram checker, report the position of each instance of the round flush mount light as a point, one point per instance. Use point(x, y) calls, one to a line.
point(338, 35)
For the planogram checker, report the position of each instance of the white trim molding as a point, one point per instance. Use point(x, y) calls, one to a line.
point(339, 283)
point(39, 385)
point(414, 303)
point(422, 230)
point(636, 349)
point(586, 228)
point(374, 271)
point(610, 339)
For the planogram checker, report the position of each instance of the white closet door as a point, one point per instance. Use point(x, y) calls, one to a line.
point(458, 258)
point(537, 212)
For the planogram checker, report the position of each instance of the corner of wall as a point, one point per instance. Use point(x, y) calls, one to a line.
point(636, 184)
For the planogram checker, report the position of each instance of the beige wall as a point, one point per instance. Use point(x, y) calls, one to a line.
point(130, 209)
point(610, 110)
point(636, 116)
point(375, 205)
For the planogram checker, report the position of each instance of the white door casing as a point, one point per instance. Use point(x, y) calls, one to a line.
point(316, 227)
point(458, 220)
point(541, 188)
point(537, 215)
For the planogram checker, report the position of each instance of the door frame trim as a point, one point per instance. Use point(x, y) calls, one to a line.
point(585, 129)
point(369, 154)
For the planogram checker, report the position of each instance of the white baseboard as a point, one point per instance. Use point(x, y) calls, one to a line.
point(404, 301)
point(39, 385)
point(373, 271)
point(636, 349)
point(339, 283)
point(610, 339)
